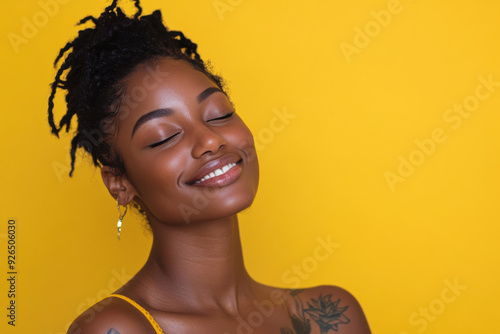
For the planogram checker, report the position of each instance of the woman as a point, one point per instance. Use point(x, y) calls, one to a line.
point(163, 131)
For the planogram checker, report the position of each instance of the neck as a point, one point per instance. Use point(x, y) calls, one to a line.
point(200, 263)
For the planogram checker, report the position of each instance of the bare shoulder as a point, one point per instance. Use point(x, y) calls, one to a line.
point(326, 308)
point(111, 316)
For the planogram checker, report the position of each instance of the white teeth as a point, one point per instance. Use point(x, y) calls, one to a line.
point(217, 172)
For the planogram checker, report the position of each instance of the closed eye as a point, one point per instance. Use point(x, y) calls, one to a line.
point(222, 117)
point(163, 141)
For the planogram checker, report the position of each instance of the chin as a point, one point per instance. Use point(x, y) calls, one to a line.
point(228, 208)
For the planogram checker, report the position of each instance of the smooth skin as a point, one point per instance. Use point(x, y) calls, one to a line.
point(175, 128)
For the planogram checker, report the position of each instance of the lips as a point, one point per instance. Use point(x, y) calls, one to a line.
point(218, 172)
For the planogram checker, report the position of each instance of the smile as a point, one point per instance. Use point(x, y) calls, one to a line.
point(217, 172)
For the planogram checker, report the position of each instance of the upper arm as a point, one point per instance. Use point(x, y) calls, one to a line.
point(330, 307)
point(358, 323)
point(111, 316)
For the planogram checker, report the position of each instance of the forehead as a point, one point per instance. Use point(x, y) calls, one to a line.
point(165, 74)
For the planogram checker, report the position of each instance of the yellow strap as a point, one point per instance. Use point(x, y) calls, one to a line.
point(150, 318)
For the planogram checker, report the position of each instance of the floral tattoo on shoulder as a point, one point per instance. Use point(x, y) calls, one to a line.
point(327, 314)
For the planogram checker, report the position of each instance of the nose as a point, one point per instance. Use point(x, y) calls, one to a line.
point(207, 141)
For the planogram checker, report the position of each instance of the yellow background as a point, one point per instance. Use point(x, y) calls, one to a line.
point(323, 173)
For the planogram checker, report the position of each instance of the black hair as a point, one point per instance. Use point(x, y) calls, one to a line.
point(97, 62)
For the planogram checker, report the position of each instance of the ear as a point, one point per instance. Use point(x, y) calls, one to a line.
point(118, 185)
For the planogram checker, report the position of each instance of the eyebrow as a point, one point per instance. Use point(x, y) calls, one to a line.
point(150, 116)
point(168, 111)
point(207, 92)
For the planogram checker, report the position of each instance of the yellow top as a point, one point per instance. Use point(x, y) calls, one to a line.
point(150, 318)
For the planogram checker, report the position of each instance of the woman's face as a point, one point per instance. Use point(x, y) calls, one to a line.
point(188, 157)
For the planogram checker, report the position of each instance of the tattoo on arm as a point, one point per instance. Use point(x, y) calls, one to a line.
point(113, 331)
point(326, 314)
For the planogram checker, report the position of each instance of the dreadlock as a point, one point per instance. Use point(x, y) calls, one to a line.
point(97, 61)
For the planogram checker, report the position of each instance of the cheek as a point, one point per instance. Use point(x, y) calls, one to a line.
point(158, 187)
point(241, 137)
point(156, 176)
point(243, 140)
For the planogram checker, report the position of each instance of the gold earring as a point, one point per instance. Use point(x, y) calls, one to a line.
point(120, 218)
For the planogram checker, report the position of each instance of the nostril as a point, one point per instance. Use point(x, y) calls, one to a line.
point(213, 150)
point(207, 141)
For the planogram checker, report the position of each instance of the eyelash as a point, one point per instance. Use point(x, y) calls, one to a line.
point(163, 141)
point(171, 137)
point(222, 117)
